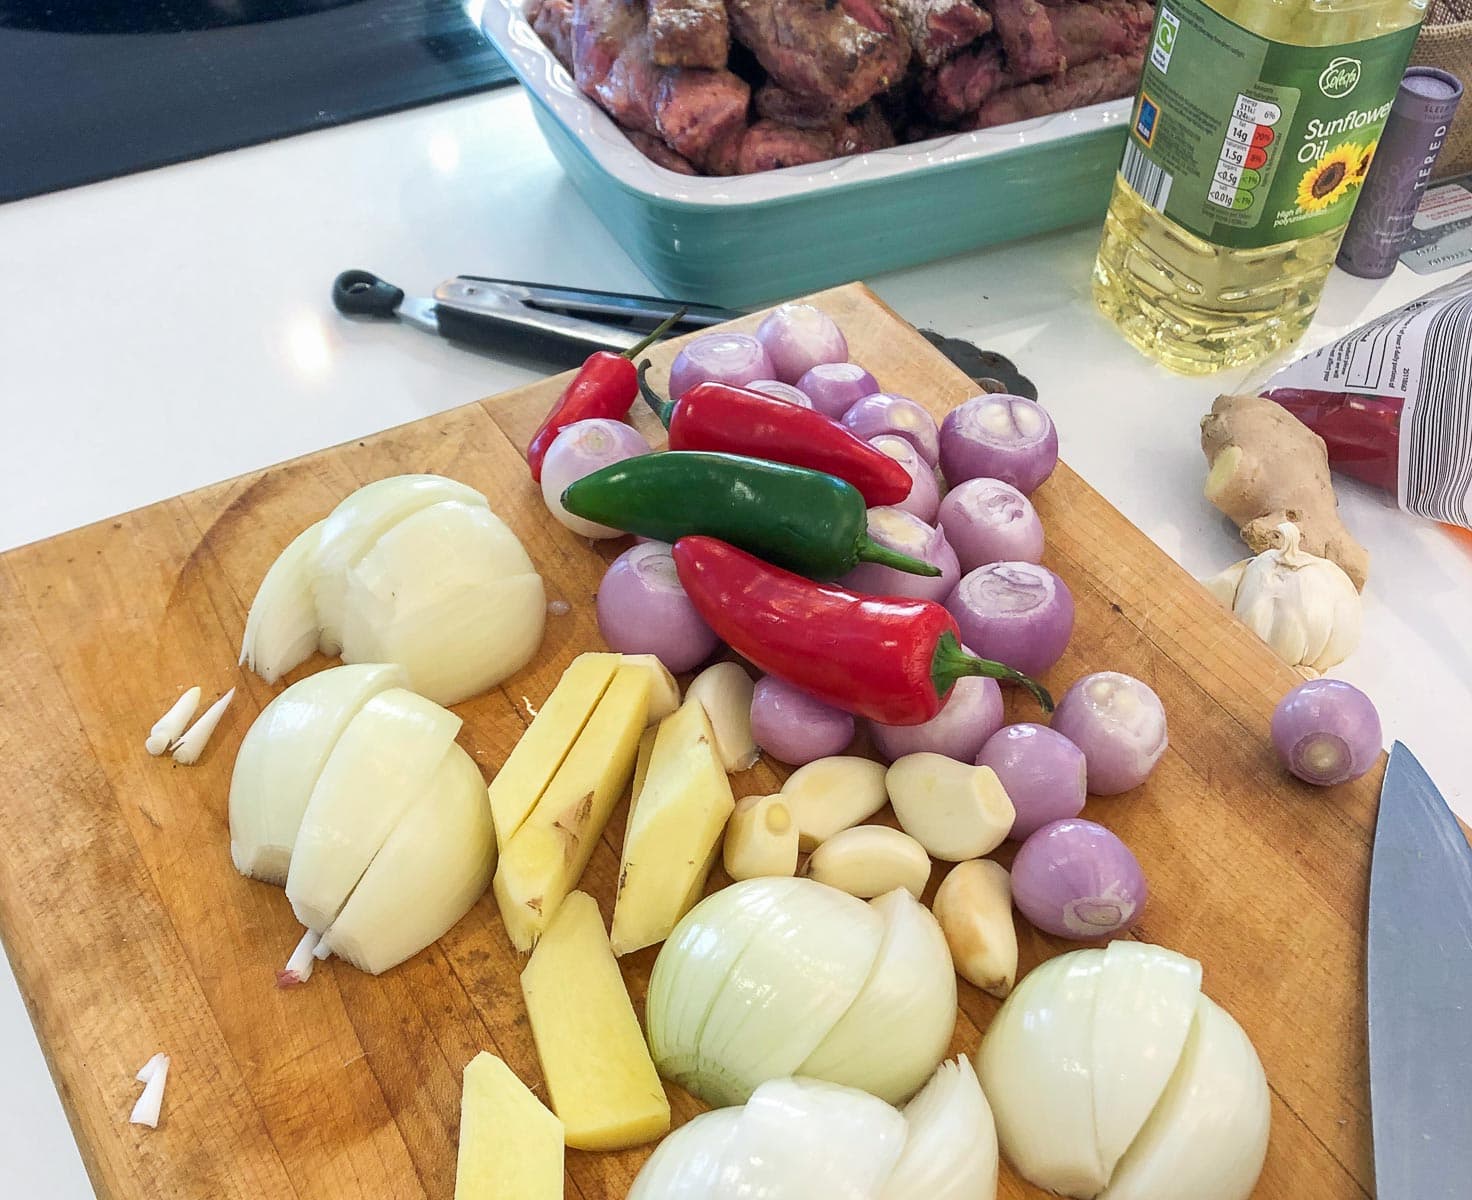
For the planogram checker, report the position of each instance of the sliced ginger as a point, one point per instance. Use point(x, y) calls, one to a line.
point(1267, 467)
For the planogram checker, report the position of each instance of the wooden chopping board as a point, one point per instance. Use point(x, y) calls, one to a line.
point(130, 932)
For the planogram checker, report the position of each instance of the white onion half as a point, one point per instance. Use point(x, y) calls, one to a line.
point(1208, 1136)
point(687, 1164)
point(434, 865)
point(803, 1138)
point(1112, 1076)
point(951, 1151)
point(415, 570)
point(282, 755)
point(806, 951)
point(1036, 1067)
point(910, 993)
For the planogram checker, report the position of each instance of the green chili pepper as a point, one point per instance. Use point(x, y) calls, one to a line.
point(803, 521)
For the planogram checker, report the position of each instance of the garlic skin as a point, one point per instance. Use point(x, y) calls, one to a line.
point(1306, 608)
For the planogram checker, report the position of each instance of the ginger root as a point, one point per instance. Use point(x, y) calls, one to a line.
point(1267, 467)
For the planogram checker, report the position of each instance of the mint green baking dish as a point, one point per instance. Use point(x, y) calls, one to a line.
point(749, 239)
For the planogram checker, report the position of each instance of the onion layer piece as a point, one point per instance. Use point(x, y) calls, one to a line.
point(351, 791)
point(414, 570)
point(797, 1139)
point(1112, 1076)
point(773, 976)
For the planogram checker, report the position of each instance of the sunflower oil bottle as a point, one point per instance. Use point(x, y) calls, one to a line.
point(1255, 123)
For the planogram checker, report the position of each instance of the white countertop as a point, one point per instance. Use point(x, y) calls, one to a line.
point(180, 321)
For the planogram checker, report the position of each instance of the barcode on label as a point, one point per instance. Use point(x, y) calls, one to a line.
point(1436, 430)
point(1151, 182)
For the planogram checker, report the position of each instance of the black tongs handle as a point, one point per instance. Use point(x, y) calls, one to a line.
point(363, 294)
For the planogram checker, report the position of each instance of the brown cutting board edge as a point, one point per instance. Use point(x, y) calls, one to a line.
point(130, 932)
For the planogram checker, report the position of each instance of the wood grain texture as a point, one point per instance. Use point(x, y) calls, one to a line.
point(130, 932)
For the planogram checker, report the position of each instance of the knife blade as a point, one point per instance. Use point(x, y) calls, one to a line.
point(1420, 991)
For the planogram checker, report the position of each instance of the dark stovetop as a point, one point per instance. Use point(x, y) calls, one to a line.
point(90, 89)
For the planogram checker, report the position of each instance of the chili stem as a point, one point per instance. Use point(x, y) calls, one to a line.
point(951, 663)
point(663, 409)
point(663, 328)
point(871, 551)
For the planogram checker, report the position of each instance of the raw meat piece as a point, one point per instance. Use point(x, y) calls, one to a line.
point(601, 29)
point(660, 154)
point(805, 112)
point(627, 91)
point(963, 82)
point(694, 109)
point(770, 144)
point(552, 19)
point(689, 33)
point(938, 28)
point(862, 132)
point(725, 155)
point(1103, 79)
point(1085, 32)
point(847, 50)
point(1027, 37)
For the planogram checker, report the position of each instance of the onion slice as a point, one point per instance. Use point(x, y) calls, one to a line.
point(687, 1164)
point(951, 1151)
point(281, 630)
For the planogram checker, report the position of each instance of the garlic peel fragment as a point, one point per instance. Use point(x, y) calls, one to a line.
point(189, 747)
point(167, 728)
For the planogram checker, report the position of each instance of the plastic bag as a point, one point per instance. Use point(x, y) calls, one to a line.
point(1393, 402)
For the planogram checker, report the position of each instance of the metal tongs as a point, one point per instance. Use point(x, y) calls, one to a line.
point(531, 319)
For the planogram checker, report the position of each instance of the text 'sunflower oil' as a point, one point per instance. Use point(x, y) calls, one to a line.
point(1250, 137)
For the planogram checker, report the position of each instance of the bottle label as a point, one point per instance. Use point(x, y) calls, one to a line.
point(1248, 142)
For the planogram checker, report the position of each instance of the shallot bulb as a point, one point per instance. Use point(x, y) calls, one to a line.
point(1119, 724)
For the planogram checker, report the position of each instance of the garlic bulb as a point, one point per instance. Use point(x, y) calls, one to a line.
point(1306, 608)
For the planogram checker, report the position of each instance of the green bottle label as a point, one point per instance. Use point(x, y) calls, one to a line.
point(1248, 142)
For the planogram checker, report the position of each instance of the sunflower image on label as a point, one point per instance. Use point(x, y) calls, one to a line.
point(1276, 146)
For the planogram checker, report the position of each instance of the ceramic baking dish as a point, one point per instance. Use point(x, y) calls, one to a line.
point(745, 239)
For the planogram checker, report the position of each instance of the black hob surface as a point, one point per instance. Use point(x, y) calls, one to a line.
point(90, 89)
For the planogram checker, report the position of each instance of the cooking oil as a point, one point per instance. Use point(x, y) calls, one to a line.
point(1252, 131)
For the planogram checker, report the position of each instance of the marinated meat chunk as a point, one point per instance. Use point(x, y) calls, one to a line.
point(601, 29)
point(805, 112)
point(1088, 31)
point(1103, 79)
point(963, 82)
point(552, 19)
point(845, 51)
point(689, 33)
point(628, 89)
point(770, 144)
point(938, 28)
point(661, 155)
point(1027, 37)
point(694, 109)
point(863, 131)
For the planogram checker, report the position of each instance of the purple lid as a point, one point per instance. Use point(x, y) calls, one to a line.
point(1427, 94)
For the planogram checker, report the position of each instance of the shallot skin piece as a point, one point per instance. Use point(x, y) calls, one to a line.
point(997, 436)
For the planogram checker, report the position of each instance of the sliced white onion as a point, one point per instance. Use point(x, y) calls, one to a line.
point(803, 1138)
point(354, 527)
point(167, 728)
point(282, 755)
point(1036, 1066)
point(909, 1000)
point(436, 863)
point(951, 1151)
point(298, 967)
point(772, 1005)
point(1143, 1011)
point(694, 963)
point(189, 747)
point(383, 762)
point(450, 594)
point(687, 1164)
point(1208, 1136)
point(281, 629)
point(150, 1104)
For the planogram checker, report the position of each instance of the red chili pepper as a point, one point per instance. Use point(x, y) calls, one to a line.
point(605, 386)
point(735, 420)
point(888, 658)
